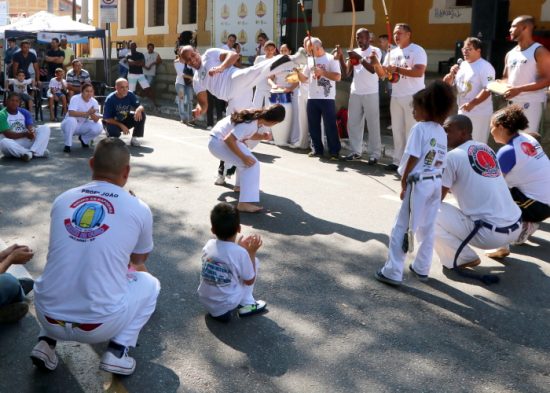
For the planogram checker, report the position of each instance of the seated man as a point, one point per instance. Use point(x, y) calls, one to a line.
point(18, 137)
point(487, 216)
point(76, 77)
point(13, 290)
point(123, 111)
point(87, 293)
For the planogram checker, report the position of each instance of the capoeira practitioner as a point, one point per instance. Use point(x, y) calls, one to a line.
point(526, 170)
point(423, 161)
point(487, 216)
point(215, 72)
point(82, 118)
point(471, 78)
point(227, 142)
point(18, 137)
point(526, 71)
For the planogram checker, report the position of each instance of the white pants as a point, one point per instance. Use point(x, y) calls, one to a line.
point(481, 124)
point(361, 108)
point(303, 141)
point(453, 226)
point(124, 328)
point(248, 177)
point(134, 79)
point(425, 201)
point(402, 120)
point(261, 98)
point(18, 147)
point(88, 129)
point(533, 112)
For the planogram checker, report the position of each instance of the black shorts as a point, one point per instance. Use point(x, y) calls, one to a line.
point(531, 210)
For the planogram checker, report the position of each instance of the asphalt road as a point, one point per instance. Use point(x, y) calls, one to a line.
point(330, 327)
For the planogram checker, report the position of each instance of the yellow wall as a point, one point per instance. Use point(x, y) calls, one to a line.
point(30, 7)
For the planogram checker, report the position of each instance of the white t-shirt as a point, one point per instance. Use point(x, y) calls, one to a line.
point(322, 88)
point(18, 122)
point(219, 84)
point(407, 58)
point(526, 167)
point(241, 131)
point(470, 79)
point(522, 70)
point(475, 179)
point(79, 105)
point(225, 265)
point(264, 85)
point(20, 86)
point(93, 231)
point(57, 85)
point(150, 59)
point(365, 82)
point(123, 53)
point(179, 67)
point(428, 142)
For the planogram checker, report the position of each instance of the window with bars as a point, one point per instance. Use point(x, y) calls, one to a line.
point(156, 13)
point(127, 14)
point(188, 12)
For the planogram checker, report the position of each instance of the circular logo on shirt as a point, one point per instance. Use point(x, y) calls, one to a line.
point(528, 149)
point(87, 220)
point(483, 161)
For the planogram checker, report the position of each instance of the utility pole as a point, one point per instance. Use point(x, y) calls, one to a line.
point(74, 10)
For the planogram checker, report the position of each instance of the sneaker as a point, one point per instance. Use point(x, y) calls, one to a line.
point(220, 180)
point(135, 142)
point(372, 161)
point(313, 154)
point(84, 145)
point(208, 128)
point(46, 154)
point(224, 318)
point(26, 156)
point(251, 309)
point(27, 284)
point(230, 172)
point(67, 149)
point(334, 157)
point(352, 157)
point(380, 277)
point(500, 253)
point(43, 356)
point(528, 228)
point(124, 365)
point(13, 312)
point(300, 57)
point(420, 277)
point(391, 168)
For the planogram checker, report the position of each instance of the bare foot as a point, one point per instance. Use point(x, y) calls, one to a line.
point(237, 189)
point(248, 207)
point(470, 264)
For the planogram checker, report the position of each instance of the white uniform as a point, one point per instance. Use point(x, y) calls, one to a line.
point(303, 93)
point(261, 94)
point(225, 265)
point(522, 70)
point(364, 105)
point(470, 80)
point(233, 85)
point(18, 123)
point(402, 118)
point(428, 142)
point(94, 229)
point(280, 80)
point(249, 177)
point(86, 128)
point(474, 177)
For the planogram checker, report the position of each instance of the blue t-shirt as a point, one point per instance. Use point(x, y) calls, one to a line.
point(120, 108)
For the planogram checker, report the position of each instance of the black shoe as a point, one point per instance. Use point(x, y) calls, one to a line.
point(420, 277)
point(27, 284)
point(84, 145)
point(224, 318)
point(352, 157)
point(380, 277)
point(372, 161)
point(391, 168)
point(67, 149)
point(282, 60)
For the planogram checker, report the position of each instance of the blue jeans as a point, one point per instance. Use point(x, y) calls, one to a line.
point(10, 290)
point(184, 99)
point(318, 109)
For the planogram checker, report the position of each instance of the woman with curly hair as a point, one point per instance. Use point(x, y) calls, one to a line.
point(227, 143)
point(526, 169)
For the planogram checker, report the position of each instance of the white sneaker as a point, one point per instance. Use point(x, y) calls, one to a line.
point(527, 230)
point(135, 142)
point(220, 180)
point(46, 154)
point(43, 356)
point(124, 365)
point(26, 156)
point(251, 309)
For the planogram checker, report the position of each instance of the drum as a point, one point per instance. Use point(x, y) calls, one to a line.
point(281, 131)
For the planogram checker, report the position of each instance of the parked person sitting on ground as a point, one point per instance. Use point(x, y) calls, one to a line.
point(57, 92)
point(18, 137)
point(122, 112)
point(229, 267)
point(87, 293)
point(82, 119)
point(12, 290)
point(21, 85)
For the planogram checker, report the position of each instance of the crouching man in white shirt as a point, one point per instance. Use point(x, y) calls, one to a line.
point(95, 286)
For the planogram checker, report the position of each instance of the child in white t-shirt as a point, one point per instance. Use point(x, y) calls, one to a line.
point(229, 268)
point(57, 92)
point(21, 87)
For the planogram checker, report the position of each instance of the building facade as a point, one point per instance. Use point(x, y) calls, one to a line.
point(22, 8)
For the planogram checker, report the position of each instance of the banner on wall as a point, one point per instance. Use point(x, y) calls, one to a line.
point(71, 39)
point(246, 19)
